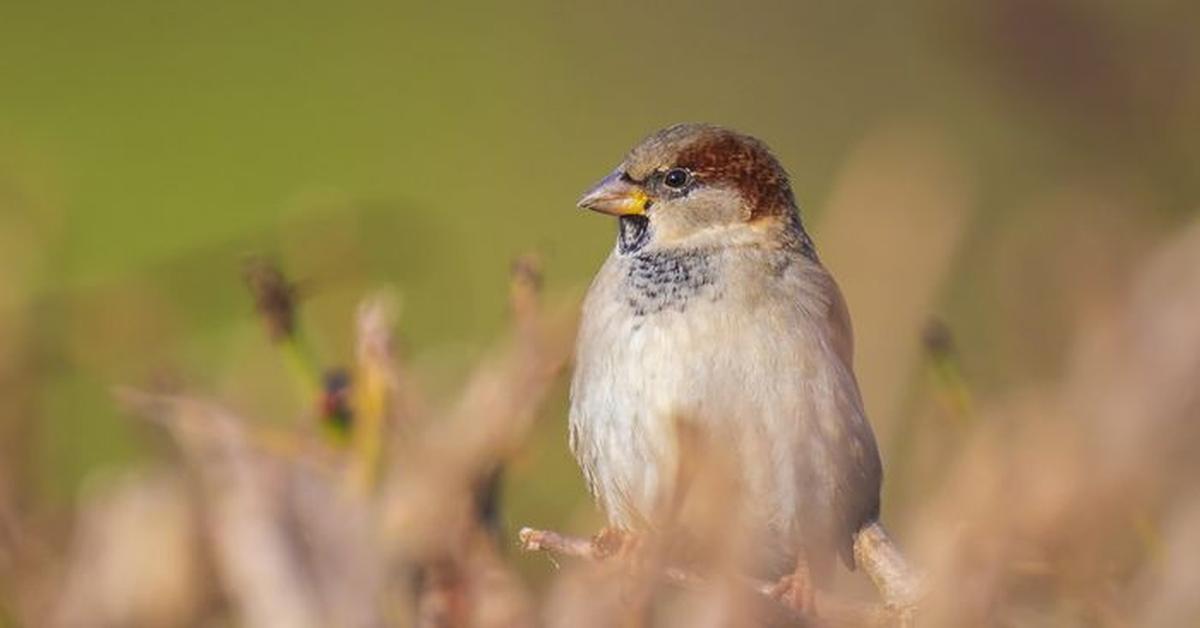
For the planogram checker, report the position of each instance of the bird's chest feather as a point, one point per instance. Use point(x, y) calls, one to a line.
point(670, 338)
point(663, 324)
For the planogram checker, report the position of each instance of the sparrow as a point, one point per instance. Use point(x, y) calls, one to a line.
point(713, 310)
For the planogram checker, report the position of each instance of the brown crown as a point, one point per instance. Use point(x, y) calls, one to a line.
point(721, 156)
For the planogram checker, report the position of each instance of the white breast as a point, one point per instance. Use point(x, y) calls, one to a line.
point(747, 354)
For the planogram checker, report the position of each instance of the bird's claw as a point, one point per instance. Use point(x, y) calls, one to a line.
point(796, 592)
point(612, 542)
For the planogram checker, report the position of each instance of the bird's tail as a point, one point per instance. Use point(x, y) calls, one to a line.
point(900, 585)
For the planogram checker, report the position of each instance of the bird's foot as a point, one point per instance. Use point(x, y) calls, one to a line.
point(612, 542)
point(796, 592)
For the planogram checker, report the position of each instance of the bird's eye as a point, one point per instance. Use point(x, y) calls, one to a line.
point(677, 178)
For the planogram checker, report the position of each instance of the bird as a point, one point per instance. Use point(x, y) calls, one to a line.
point(713, 312)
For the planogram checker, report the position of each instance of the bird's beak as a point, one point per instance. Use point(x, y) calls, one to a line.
point(616, 195)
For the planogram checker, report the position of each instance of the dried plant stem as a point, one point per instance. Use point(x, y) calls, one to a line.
point(900, 586)
point(879, 557)
point(558, 544)
point(258, 569)
point(828, 609)
point(375, 388)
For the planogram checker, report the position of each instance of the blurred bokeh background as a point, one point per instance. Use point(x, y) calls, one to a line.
point(985, 179)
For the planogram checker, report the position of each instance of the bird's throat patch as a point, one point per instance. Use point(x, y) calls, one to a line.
point(657, 281)
point(633, 233)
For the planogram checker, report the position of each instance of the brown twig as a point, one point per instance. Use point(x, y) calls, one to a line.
point(896, 581)
point(559, 544)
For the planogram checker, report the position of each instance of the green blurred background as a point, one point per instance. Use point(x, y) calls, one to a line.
point(145, 147)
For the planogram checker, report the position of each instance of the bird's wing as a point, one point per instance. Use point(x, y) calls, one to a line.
point(856, 472)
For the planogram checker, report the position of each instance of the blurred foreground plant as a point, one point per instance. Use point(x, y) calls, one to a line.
point(1075, 503)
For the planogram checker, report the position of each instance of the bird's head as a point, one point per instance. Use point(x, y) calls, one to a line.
point(690, 181)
